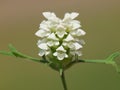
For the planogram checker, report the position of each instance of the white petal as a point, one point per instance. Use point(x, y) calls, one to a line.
point(38, 33)
point(73, 32)
point(61, 33)
point(74, 15)
point(80, 32)
point(43, 46)
point(81, 41)
point(64, 43)
point(60, 27)
point(69, 38)
point(75, 26)
point(78, 53)
point(66, 55)
point(41, 41)
point(77, 46)
point(41, 33)
point(50, 43)
point(60, 56)
point(75, 21)
point(48, 15)
point(51, 17)
point(71, 45)
point(66, 17)
point(55, 54)
point(57, 43)
point(47, 52)
point(52, 36)
point(45, 26)
point(61, 49)
point(70, 16)
point(41, 53)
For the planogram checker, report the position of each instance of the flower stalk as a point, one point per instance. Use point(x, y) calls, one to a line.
point(62, 75)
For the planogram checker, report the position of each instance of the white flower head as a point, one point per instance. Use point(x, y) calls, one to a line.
point(60, 37)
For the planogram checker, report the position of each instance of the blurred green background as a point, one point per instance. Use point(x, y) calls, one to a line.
point(20, 19)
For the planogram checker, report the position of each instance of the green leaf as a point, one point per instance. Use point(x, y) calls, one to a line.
point(109, 60)
point(113, 56)
point(116, 67)
point(12, 48)
point(6, 53)
point(13, 52)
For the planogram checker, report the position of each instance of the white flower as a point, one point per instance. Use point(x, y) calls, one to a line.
point(52, 40)
point(51, 16)
point(44, 49)
point(70, 16)
point(69, 38)
point(61, 49)
point(42, 33)
point(53, 37)
point(43, 52)
point(43, 46)
point(60, 53)
point(78, 32)
point(60, 37)
point(60, 31)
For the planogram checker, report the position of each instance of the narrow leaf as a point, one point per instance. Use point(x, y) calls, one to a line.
point(117, 67)
point(14, 52)
point(12, 48)
point(6, 53)
point(113, 56)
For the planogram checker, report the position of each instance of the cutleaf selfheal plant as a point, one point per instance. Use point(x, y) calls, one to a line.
point(60, 44)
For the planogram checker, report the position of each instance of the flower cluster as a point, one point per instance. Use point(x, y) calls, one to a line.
point(60, 37)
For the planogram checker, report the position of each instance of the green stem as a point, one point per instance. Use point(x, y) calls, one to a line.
point(109, 60)
point(63, 80)
point(93, 61)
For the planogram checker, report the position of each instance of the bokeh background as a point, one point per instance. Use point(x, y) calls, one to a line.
point(19, 20)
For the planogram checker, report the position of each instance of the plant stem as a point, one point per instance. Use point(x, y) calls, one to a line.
point(93, 61)
point(63, 80)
